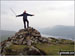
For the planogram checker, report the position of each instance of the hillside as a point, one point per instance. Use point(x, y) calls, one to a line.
point(61, 31)
point(30, 42)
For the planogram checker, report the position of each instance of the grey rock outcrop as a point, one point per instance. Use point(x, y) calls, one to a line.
point(27, 37)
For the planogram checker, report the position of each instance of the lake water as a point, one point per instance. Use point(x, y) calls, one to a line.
point(61, 37)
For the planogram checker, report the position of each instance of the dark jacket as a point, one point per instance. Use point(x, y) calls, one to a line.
point(24, 15)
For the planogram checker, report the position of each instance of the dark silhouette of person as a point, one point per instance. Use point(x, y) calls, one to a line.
point(25, 18)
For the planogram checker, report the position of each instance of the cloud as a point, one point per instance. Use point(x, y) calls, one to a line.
point(47, 13)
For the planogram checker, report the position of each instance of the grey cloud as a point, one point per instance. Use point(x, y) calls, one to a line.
point(49, 13)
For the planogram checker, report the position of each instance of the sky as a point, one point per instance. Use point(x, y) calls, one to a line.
point(46, 14)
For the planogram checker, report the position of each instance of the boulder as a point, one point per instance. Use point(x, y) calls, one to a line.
point(9, 39)
point(8, 43)
point(34, 51)
point(24, 42)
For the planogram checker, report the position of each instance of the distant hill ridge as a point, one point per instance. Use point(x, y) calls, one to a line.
point(4, 34)
point(61, 31)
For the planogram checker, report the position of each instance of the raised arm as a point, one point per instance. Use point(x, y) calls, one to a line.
point(30, 14)
point(19, 15)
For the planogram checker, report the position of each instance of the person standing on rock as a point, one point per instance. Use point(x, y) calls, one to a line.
point(25, 18)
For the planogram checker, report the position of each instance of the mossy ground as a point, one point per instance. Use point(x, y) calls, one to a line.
point(48, 49)
point(17, 49)
point(54, 49)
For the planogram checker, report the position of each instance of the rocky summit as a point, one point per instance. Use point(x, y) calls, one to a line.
point(25, 37)
point(24, 41)
point(30, 42)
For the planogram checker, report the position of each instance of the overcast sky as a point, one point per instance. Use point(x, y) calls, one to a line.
point(47, 14)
